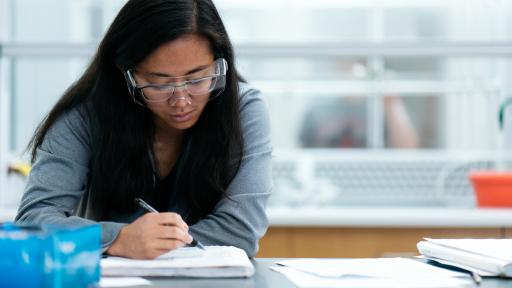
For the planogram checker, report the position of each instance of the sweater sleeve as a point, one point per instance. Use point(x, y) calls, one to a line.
point(241, 221)
point(59, 177)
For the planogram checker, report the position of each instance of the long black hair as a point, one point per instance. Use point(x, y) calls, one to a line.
point(121, 165)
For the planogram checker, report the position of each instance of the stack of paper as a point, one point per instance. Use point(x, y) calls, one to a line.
point(214, 261)
point(379, 272)
point(488, 257)
point(123, 282)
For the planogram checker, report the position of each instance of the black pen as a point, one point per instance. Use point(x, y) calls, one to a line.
point(148, 208)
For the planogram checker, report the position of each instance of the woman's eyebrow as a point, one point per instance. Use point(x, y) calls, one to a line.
point(161, 74)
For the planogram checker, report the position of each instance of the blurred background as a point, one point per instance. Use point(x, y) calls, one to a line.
point(379, 109)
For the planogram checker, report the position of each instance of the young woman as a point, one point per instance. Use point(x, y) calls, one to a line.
point(160, 114)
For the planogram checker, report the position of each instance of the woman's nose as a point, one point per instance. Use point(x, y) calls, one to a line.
point(180, 98)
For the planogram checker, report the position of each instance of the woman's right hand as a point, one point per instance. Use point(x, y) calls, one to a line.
point(150, 236)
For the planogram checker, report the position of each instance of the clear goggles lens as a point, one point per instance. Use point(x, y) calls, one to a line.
point(206, 84)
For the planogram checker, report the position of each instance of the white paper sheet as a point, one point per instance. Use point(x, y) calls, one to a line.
point(123, 281)
point(497, 248)
point(375, 267)
point(304, 279)
point(481, 254)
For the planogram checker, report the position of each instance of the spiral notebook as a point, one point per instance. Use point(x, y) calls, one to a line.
point(213, 262)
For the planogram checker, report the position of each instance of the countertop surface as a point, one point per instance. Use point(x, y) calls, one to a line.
point(390, 216)
point(375, 216)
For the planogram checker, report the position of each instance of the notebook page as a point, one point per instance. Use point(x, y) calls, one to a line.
point(188, 262)
point(184, 252)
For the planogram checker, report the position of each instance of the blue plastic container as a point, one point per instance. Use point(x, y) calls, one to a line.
point(33, 256)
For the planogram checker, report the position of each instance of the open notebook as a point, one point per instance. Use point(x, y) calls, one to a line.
point(488, 257)
point(214, 261)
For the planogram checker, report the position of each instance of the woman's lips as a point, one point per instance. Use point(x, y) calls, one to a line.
point(182, 117)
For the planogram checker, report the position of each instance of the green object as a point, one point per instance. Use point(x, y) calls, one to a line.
point(501, 114)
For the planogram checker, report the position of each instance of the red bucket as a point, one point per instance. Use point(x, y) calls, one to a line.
point(493, 189)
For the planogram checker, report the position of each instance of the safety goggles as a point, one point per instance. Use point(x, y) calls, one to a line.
point(204, 85)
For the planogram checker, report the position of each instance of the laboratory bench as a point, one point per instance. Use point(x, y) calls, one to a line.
point(355, 232)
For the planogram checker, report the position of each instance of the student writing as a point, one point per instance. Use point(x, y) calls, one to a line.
point(160, 114)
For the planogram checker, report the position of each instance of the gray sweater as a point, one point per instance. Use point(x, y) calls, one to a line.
point(56, 189)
